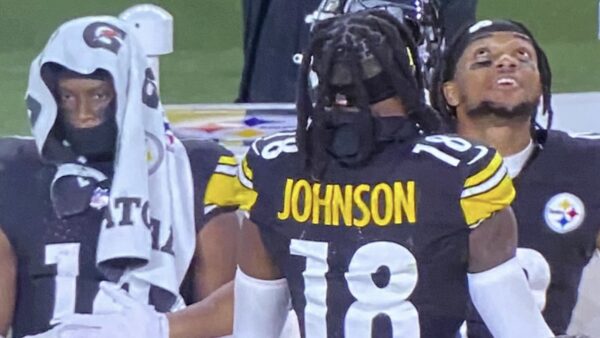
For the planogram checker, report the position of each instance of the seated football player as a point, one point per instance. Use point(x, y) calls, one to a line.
point(491, 81)
point(105, 192)
point(365, 219)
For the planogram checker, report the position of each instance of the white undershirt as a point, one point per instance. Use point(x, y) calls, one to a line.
point(514, 163)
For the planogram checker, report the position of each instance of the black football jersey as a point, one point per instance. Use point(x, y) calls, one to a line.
point(56, 257)
point(558, 210)
point(380, 250)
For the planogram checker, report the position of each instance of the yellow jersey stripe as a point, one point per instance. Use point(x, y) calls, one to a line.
point(485, 173)
point(246, 170)
point(228, 160)
point(245, 186)
point(222, 191)
point(486, 185)
point(226, 170)
point(479, 207)
point(247, 198)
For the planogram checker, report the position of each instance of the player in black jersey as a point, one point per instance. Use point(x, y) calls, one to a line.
point(366, 219)
point(489, 85)
point(51, 224)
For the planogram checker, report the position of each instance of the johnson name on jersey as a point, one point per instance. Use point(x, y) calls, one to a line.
point(379, 250)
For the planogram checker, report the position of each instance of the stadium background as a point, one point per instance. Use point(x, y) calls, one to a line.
point(207, 61)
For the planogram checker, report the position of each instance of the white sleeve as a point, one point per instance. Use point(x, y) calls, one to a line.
point(505, 303)
point(260, 306)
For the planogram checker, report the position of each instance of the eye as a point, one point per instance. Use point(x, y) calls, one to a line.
point(100, 96)
point(482, 52)
point(65, 96)
point(524, 54)
point(481, 58)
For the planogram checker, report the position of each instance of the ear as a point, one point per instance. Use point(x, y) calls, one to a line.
point(451, 93)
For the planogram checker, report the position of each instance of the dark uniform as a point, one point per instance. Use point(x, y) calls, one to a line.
point(274, 30)
point(56, 258)
point(558, 211)
point(381, 250)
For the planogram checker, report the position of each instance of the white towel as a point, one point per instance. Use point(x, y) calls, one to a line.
point(152, 171)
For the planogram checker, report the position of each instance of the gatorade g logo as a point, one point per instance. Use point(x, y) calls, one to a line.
point(104, 35)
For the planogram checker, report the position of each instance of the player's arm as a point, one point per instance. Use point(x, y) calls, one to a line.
point(215, 256)
point(254, 285)
point(214, 261)
point(497, 283)
point(257, 288)
point(8, 283)
point(493, 242)
point(211, 317)
point(261, 293)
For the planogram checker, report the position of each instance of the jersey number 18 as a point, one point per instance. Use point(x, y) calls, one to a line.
point(371, 300)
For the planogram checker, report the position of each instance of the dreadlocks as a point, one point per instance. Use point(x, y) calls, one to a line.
point(446, 68)
point(359, 58)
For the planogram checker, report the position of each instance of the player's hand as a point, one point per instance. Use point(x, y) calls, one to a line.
point(133, 320)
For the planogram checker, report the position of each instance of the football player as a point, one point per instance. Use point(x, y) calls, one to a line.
point(102, 159)
point(489, 85)
point(371, 225)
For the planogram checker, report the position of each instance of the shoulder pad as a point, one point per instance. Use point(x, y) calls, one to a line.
point(201, 147)
point(586, 145)
point(454, 150)
point(14, 149)
point(586, 140)
point(585, 136)
point(204, 155)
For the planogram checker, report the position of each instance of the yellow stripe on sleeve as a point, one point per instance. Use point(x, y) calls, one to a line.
point(245, 186)
point(485, 173)
point(479, 207)
point(222, 191)
point(227, 191)
point(246, 170)
point(247, 198)
point(228, 160)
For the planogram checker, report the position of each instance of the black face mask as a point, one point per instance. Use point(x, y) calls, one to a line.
point(351, 139)
point(355, 137)
point(96, 143)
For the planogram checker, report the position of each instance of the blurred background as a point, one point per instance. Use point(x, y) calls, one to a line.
point(208, 57)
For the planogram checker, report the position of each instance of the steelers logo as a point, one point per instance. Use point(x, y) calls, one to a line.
point(564, 213)
point(154, 153)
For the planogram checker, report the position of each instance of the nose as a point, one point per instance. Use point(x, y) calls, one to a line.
point(84, 116)
point(506, 63)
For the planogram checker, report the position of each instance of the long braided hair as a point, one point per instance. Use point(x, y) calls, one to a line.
point(446, 68)
point(364, 57)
